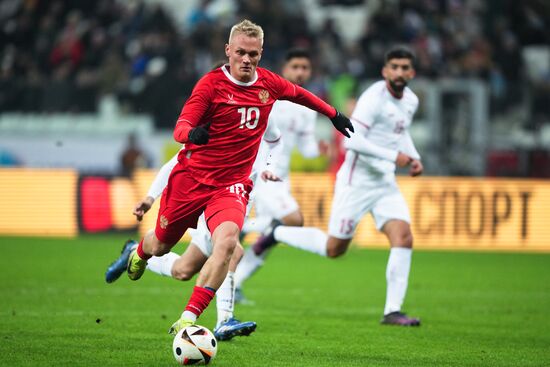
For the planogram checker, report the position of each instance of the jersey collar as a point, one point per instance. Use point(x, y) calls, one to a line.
point(230, 77)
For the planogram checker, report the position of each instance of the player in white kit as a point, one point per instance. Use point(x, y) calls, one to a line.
point(184, 267)
point(366, 181)
point(273, 200)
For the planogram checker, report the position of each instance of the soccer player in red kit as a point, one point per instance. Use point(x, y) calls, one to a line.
point(221, 125)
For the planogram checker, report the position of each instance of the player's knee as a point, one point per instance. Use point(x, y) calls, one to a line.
point(225, 246)
point(336, 247)
point(181, 274)
point(294, 220)
point(405, 240)
point(334, 252)
point(159, 248)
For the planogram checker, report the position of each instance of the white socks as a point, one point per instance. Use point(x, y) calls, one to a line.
point(397, 276)
point(248, 265)
point(225, 299)
point(258, 224)
point(305, 238)
point(162, 264)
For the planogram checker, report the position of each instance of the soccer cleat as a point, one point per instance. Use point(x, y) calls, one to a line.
point(115, 270)
point(181, 323)
point(136, 266)
point(233, 327)
point(400, 319)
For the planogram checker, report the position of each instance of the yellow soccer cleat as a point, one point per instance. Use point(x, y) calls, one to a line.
point(182, 323)
point(136, 266)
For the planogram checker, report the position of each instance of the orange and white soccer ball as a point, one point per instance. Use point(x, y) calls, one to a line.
point(194, 345)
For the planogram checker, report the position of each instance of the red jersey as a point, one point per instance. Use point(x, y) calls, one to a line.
point(237, 113)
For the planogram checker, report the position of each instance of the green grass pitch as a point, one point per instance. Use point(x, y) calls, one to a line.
point(477, 309)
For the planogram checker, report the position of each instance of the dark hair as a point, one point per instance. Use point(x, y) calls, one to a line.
point(399, 53)
point(297, 53)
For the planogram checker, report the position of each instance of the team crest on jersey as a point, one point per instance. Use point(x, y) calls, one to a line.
point(163, 222)
point(263, 95)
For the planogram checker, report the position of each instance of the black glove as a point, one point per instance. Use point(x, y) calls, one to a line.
point(341, 123)
point(198, 135)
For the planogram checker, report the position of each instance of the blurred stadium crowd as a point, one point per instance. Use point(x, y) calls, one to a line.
point(62, 55)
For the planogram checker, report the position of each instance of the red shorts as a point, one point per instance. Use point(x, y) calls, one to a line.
point(184, 200)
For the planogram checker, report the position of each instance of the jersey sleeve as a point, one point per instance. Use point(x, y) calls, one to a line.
point(360, 144)
point(294, 93)
point(161, 179)
point(406, 146)
point(194, 109)
point(366, 109)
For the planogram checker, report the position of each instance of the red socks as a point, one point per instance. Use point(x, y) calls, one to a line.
point(140, 252)
point(199, 300)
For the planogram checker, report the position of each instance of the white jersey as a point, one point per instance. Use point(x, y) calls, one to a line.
point(297, 125)
point(381, 131)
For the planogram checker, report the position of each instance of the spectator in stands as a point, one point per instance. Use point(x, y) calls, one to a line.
point(132, 157)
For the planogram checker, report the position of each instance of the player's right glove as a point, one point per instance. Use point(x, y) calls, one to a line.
point(341, 123)
point(198, 135)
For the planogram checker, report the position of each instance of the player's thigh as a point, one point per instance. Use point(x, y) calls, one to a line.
point(274, 199)
point(179, 208)
point(227, 204)
point(189, 263)
point(349, 205)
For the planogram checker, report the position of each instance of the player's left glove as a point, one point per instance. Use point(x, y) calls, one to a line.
point(342, 124)
point(198, 135)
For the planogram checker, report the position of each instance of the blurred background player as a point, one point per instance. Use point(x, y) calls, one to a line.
point(184, 267)
point(273, 200)
point(366, 182)
point(221, 124)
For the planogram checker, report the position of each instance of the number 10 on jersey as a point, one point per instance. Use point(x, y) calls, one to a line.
point(249, 117)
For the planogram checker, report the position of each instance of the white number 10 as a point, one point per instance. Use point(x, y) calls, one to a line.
point(246, 117)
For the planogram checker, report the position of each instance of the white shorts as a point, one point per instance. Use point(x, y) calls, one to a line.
point(350, 203)
point(201, 236)
point(273, 199)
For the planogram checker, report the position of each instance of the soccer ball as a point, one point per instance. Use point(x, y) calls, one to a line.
point(194, 345)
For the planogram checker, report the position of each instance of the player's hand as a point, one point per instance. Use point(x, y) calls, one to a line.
point(270, 176)
point(402, 160)
point(198, 135)
point(143, 207)
point(416, 168)
point(342, 124)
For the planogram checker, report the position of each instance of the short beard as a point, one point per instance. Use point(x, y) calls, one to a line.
point(398, 88)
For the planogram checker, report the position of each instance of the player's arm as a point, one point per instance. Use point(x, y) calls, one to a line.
point(360, 144)
point(407, 146)
point(156, 188)
point(188, 127)
point(273, 140)
point(364, 115)
point(297, 94)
